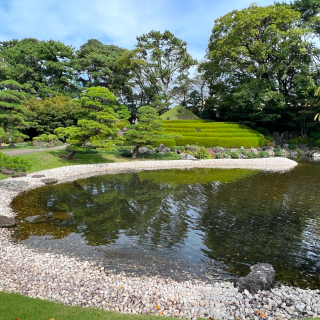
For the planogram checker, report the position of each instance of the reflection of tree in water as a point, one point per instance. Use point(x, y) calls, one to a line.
point(245, 224)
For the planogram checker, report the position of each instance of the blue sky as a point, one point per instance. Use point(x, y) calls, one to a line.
point(116, 22)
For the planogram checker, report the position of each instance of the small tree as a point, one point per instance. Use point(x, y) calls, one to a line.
point(146, 131)
point(99, 129)
point(11, 112)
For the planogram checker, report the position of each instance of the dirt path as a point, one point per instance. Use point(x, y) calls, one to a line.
point(20, 152)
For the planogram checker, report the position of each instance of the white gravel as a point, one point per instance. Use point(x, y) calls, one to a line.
point(72, 281)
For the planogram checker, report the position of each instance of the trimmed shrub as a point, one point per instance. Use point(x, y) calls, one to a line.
point(234, 155)
point(222, 142)
point(263, 154)
point(293, 141)
point(310, 141)
point(160, 156)
point(178, 148)
point(14, 163)
point(206, 134)
point(318, 143)
point(299, 151)
point(251, 154)
point(292, 146)
point(269, 138)
point(166, 142)
point(202, 153)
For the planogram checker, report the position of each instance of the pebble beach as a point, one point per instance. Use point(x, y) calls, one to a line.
point(74, 281)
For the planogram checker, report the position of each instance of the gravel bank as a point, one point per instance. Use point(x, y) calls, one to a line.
point(72, 281)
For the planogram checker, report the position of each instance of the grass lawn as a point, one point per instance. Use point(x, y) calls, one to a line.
point(50, 159)
point(15, 306)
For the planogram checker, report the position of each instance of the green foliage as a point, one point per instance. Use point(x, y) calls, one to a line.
point(202, 153)
point(251, 154)
point(234, 155)
point(177, 113)
point(292, 146)
point(17, 164)
point(43, 68)
point(263, 154)
point(146, 131)
point(46, 138)
point(222, 142)
point(269, 138)
point(46, 115)
point(99, 129)
point(318, 143)
point(293, 141)
point(178, 148)
point(160, 156)
point(299, 151)
point(261, 73)
point(166, 142)
point(11, 113)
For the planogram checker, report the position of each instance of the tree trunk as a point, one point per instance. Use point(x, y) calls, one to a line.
point(135, 151)
point(70, 155)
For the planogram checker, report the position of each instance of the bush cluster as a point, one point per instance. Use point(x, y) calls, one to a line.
point(46, 138)
point(202, 153)
point(166, 142)
point(17, 164)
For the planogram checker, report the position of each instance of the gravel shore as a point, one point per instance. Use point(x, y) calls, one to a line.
point(73, 281)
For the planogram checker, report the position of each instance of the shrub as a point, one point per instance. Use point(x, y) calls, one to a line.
point(292, 146)
point(41, 137)
point(166, 142)
point(293, 141)
point(246, 142)
point(52, 137)
point(14, 163)
point(318, 143)
point(310, 141)
point(203, 153)
point(299, 151)
point(160, 156)
point(234, 155)
point(251, 154)
point(178, 148)
point(263, 154)
point(269, 138)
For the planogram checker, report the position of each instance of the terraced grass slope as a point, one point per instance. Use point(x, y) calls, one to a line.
point(179, 113)
point(212, 134)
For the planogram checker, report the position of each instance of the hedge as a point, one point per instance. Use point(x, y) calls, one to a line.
point(211, 125)
point(222, 142)
point(221, 134)
point(166, 142)
point(180, 130)
point(318, 143)
point(188, 121)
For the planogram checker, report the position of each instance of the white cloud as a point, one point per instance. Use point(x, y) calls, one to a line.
point(114, 21)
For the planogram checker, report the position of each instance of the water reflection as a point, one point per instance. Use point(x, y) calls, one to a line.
point(224, 220)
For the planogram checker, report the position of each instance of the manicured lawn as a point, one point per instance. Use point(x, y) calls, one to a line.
point(15, 306)
point(50, 159)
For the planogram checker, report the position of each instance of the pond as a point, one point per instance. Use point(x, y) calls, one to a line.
point(197, 223)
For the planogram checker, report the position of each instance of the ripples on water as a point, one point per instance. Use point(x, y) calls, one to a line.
point(183, 223)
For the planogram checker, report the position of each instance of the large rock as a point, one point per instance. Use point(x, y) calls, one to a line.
point(284, 152)
point(261, 277)
point(162, 149)
point(19, 175)
point(35, 219)
point(276, 137)
point(37, 176)
point(49, 181)
point(7, 171)
point(144, 150)
point(187, 156)
point(6, 222)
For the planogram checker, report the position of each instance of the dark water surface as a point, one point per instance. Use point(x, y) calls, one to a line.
point(198, 223)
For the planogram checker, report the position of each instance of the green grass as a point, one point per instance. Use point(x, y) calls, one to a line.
point(15, 306)
point(50, 159)
point(173, 114)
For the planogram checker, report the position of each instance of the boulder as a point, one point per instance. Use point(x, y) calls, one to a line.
point(218, 150)
point(254, 150)
point(315, 155)
point(162, 149)
point(6, 222)
point(276, 137)
point(284, 152)
point(38, 176)
point(286, 145)
point(11, 145)
point(271, 152)
point(293, 153)
point(144, 150)
point(186, 156)
point(49, 181)
point(261, 277)
point(7, 171)
point(19, 175)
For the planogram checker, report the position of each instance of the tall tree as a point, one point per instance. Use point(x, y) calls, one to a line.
point(262, 66)
point(42, 67)
point(99, 129)
point(11, 113)
point(159, 58)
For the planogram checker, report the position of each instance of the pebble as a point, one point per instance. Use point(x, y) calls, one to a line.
point(72, 281)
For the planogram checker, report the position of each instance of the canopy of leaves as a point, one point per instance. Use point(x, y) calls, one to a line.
point(99, 129)
point(12, 117)
point(41, 67)
point(262, 67)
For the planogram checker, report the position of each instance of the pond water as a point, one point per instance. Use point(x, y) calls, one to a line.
point(196, 223)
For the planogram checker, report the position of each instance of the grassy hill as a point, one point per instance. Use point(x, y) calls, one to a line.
point(211, 134)
point(179, 113)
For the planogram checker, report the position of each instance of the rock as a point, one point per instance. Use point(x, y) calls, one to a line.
point(11, 145)
point(315, 149)
point(254, 150)
point(6, 222)
point(286, 145)
point(144, 150)
point(167, 149)
point(284, 153)
point(35, 219)
point(49, 181)
point(293, 153)
point(168, 118)
point(276, 137)
point(7, 171)
point(190, 149)
point(218, 150)
point(38, 176)
point(271, 152)
point(162, 149)
point(198, 130)
point(186, 156)
point(18, 175)
point(261, 277)
point(315, 155)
